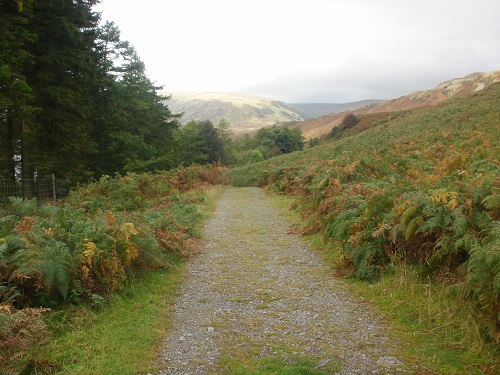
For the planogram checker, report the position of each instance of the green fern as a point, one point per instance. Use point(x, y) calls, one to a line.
point(413, 226)
point(466, 242)
point(408, 214)
point(460, 225)
point(50, 267)
point(7, 224)
point(24, 207)
point(57, 268)
point(339, 227)
point(492, 202)
point(432, 225)
point(484, 278)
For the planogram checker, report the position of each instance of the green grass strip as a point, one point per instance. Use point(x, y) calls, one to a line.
point(121, 337)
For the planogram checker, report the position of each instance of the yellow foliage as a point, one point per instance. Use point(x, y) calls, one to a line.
point(443, 196)
point(88, 253)
point(131, 254)
point(450, 163)
point(48, 232)
point(128, 229)
point(109, 219)
point(88, 256)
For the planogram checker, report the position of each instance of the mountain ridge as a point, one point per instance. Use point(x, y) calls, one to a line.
point(312, 128)
point(315, 110)
point(245, 113)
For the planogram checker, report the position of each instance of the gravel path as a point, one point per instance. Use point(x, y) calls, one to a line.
point(257, 292)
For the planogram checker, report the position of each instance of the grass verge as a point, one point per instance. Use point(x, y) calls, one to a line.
point(438, 328)
point(119, 337)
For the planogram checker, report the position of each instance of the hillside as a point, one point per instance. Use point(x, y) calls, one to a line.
point(416, 190)
point(314, 110)
point(245, 113)
point(453, 88)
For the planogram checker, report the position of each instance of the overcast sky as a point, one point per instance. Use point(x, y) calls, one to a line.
point(310, 50)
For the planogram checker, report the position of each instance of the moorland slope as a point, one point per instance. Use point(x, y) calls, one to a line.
point(418, 187)
point(458, 87)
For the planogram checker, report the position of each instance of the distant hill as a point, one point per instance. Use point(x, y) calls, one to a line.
point(314, 110)
point(245, 113)
point(453, 88)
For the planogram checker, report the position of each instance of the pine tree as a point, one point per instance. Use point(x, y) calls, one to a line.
point(16, 109)
point(62, 79)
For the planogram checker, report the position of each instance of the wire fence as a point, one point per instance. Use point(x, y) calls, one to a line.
point(44, 189)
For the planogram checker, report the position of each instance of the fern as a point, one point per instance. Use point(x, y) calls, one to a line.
point(432, 225)
point(460, 224)
point(58, 265)
point(481, 220)
point(466, 242)
point(24, 207)
point(12, 244)
point(413, 226)
point(340, 226)
point(408, 214)
point(50, 267)
point(7, 224)
point(444, 249)
point(492, 202)
point(484, 278)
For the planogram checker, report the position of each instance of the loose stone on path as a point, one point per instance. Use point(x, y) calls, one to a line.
point(257, 291)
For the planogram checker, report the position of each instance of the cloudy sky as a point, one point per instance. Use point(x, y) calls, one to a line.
point(310, 50)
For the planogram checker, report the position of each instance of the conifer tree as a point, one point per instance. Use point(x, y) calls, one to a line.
point(62, 79)
point(16, 109)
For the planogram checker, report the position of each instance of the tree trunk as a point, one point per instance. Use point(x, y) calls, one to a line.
point(27, 173)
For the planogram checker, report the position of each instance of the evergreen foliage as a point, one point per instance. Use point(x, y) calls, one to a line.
point(75, 100)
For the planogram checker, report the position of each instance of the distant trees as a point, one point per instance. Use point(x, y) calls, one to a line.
point(349, 121)
point(269, 142)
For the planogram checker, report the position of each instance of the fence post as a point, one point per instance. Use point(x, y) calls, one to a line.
point(54, 187)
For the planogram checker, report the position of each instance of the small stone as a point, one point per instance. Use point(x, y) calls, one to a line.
point(389, 361)
point(210, 329)
point(323, 363)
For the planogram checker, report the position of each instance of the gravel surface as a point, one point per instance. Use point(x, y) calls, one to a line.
point(256, 291)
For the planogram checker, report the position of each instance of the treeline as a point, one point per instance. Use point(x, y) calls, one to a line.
point(266, 143)
point(202, 142)
point(75, 99)
point(76, 102)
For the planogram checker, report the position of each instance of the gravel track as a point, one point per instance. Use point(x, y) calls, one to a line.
point(256, 291)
